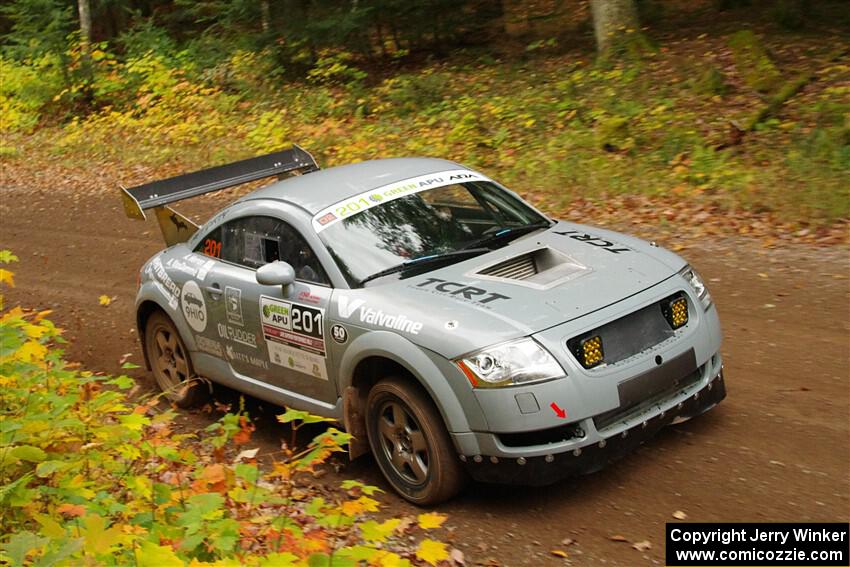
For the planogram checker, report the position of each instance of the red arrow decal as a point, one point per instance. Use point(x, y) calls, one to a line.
point(558, 411)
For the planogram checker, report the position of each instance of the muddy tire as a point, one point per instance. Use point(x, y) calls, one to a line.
point(410, 443)
point(170, 363)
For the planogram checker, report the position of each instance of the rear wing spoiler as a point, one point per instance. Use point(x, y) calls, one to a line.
point(177, 228)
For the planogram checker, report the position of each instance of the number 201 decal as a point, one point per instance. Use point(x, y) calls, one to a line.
point(307, 320)
point(212, 248)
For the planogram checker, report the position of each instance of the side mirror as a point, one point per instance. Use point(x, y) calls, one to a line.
point(276, 273)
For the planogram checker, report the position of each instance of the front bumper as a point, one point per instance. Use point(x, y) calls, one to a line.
point(605, 446)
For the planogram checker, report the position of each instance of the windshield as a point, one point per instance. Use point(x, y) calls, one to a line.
point(427, 228)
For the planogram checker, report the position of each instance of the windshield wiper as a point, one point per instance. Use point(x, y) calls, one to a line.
point(512, 231)
point(423, 261)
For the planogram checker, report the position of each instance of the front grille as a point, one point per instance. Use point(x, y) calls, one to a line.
point(630, 335)
point(519, 268)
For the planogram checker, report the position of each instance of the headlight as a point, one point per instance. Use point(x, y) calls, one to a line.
point(692, 277)
point(517, 362)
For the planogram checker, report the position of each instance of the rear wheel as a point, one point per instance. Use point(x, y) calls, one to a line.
point(411, 444)
point(170, 362)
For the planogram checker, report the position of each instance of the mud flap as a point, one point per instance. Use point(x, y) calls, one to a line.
point(355, 422)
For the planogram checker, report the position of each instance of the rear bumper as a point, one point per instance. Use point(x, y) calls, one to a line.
point(603, 447)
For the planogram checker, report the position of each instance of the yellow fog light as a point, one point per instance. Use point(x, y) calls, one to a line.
point(676, 311)
point(591, 351)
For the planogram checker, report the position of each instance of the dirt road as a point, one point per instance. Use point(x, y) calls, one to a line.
point(777, 449)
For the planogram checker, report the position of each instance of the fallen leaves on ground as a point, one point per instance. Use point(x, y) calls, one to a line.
point(431, 520)
point(432, 552)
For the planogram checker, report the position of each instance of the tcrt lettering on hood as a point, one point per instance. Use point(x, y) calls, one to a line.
point(461, 290)
point(592, 240)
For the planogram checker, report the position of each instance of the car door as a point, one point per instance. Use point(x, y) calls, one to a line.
point(268, 336)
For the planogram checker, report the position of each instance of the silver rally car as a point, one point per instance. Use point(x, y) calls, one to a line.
point(453, 329)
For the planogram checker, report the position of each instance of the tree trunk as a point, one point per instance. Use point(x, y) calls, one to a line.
point(265, 15)
point(612, 19)
point(85, 26)
point(86, 68)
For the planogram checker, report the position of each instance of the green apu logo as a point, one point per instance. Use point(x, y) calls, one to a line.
point(269, 309)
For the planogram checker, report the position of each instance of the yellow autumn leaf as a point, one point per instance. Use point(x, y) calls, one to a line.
point(31, 351)
point(35, 331)
point(7, 277)
point(352, 508)
point(104, 300)
point(431, 520)
point(432, 552)
point(13, 313)
point(149, 554)
point(369, 504)
point(387, 559)
point(374, 532)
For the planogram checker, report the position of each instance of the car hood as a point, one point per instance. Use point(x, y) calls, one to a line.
point(468, 305)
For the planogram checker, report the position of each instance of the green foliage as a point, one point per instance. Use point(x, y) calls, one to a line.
point(39, 27)
point(90, 477)
point(271, 132)
point(27, 91)
point(710, 81)
point(146, 37)
point(568, 129)
point(335, 68)
point(412, 93)
point(790, 14)
point(753, 62)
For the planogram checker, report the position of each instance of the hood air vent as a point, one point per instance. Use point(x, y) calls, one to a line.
point(519, 268)
point(541, 268)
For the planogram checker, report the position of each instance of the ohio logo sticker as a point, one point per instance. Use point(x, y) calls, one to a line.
point(194, 308)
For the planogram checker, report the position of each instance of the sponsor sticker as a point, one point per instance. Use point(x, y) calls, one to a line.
point(233, 305)
point(235, 355)
point(330, 217)
point(165, 284)
point(308, 296)
point(237, 335)
point(173, 302)
point(204, 270)
point(606, 245)
point(298, 360)
point(294, 335)
point(339, 334)
point(202, 265)
point(194, 307)
point(356, 309)
point(460, 291)
point(386, 193)
point(209, 346)
point(181, 266)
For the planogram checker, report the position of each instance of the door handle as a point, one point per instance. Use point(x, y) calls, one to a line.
point(214, 290)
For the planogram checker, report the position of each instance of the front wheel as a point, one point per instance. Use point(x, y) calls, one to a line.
point(411, 444)
point(170, 362)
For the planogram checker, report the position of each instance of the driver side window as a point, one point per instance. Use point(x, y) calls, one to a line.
point(253, 242)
